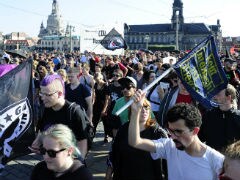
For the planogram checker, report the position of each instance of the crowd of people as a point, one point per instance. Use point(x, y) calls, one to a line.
point(165, 134)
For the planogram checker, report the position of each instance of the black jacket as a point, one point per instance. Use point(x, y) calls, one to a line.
point(220, 128)
point(131, 163)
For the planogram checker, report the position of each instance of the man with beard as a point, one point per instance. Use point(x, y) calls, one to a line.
point(187, 157)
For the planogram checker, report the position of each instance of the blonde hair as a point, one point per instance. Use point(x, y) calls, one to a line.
point(57, 85)
point(233, 151)
point(63, 74)
point(74, 70)
point(64, 136)
point(230, 90)
point(86, 67)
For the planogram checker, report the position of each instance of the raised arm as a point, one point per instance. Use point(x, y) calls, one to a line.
point(134, 138)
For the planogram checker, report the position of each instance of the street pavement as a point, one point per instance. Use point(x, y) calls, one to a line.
point(21, 168)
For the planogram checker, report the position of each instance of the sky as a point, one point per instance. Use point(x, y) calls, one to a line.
point(27, 15)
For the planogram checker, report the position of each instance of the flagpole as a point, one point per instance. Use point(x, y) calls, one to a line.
point(144, 90)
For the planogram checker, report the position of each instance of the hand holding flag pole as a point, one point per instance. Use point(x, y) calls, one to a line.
point(144, 90)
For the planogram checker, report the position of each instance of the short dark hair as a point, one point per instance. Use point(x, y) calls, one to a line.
point(146, 74)
point(187, 112)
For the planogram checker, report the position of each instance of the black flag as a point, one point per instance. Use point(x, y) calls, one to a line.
point(113, 40)
point(16, 126)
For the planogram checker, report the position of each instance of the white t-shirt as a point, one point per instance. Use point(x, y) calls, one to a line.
point(182, 166)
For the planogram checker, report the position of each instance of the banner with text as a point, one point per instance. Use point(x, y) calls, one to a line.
point(201, 72)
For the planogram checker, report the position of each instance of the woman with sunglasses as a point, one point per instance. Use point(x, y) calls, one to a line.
point(131, 163)
point(60, 155)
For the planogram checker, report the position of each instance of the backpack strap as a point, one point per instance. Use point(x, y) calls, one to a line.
point(90, 129)
point(150, 93)
point(71, 110)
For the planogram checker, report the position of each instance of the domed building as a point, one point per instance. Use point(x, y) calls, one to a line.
point(54, 23)
point(53, 36)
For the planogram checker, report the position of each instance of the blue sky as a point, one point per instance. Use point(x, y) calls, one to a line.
point(27, 15)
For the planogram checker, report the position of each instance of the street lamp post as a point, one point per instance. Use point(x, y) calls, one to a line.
point(70, 29)
point(146, 39)
point(177, 28)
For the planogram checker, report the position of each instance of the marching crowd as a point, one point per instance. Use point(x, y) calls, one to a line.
point(164, 134)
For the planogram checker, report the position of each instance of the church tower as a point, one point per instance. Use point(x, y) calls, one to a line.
point(42, 31)
point(177, 8)
point(54, 23)
point(55, 9)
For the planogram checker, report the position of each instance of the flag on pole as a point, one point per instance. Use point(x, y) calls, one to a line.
point(201, 72)
point(113, 40)
point(16, 126)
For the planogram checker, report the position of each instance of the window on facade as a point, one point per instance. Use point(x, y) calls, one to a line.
point(164, 39)
point(154, 39)
point(135, 39)
point(131, 39)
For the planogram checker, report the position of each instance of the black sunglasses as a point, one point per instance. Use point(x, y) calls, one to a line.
point(51, 153)
point(128, 87)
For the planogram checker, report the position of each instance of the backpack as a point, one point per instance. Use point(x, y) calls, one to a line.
point(90, 129)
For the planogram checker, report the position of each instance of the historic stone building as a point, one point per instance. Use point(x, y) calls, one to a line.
point(18, 40)
point(62, 43)
point(175, 35)
point(53, 36)
point(54, 23)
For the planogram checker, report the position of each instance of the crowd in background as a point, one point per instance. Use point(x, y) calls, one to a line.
point(102, 84)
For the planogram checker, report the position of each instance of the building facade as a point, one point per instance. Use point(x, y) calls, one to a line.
point(18, 40)
point(175, 35)
point(62, 43)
